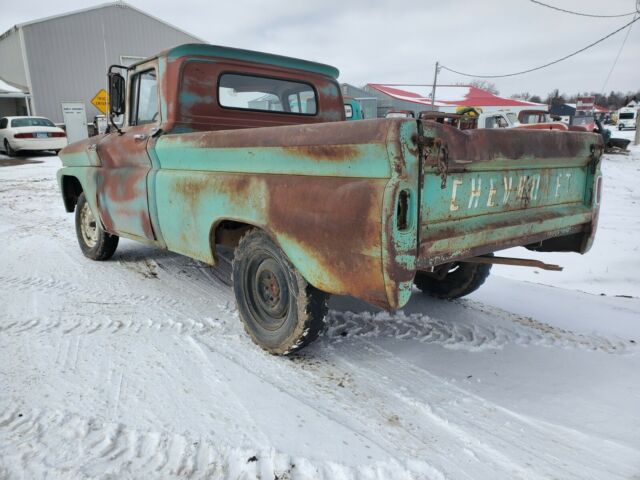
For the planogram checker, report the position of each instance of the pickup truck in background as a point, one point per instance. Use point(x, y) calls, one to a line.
point(221, 146)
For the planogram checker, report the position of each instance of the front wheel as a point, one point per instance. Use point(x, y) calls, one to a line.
point(452, 280)
point(281, 312)
point(620, 127)
point(95, 243)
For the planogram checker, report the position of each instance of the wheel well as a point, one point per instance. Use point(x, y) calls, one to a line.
point(228, 233)
point(71, 190)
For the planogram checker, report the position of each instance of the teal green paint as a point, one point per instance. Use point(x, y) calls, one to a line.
point(405, 175)
point(152, 193)
point(500, 228)
point(181, 154)
point(188, 99)
point(478, 194)
point(252, 56)
point(356, 109)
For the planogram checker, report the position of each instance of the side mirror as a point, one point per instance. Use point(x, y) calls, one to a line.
point(116, 93)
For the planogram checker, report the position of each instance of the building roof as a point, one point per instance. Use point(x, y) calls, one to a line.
point(8, 89)
point(251, 56)
point(449, 96)
point(117, 4)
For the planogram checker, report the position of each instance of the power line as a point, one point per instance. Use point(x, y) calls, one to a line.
point(617, 57)
point(546, 64)
point(582, 14)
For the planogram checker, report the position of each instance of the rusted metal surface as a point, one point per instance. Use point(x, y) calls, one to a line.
point(520, 262)
point(499, 188)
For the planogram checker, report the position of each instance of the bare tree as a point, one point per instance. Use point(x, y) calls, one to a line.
point(485, 85)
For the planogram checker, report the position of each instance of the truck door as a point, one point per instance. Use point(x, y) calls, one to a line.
point(122, 186)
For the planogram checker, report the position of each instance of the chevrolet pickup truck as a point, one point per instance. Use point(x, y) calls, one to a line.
point(220, 146)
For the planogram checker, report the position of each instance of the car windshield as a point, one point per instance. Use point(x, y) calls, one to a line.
point(31, 122)
point(626, 116)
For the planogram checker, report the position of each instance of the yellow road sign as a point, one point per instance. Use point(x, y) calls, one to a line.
point(101, 101)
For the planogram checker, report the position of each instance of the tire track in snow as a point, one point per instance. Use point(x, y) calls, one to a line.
point(520, 330)
point(37, 443)
point(45, 284)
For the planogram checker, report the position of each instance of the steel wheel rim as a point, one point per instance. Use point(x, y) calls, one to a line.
point(88, 226)
point(267, 292)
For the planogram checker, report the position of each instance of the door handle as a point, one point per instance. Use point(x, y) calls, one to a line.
point(140, 136)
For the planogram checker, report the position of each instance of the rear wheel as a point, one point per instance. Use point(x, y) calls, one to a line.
point(94, 242)
point(7, 148)
point(281, 312)
point(452, 280)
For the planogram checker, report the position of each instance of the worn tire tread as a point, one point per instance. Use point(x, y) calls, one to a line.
point(312, 304)
point(107, 243)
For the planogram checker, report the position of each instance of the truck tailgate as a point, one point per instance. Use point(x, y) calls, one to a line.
point(488, 189)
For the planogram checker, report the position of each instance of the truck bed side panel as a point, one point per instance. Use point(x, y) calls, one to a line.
point(319, 190)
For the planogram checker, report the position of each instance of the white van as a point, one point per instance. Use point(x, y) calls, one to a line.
point(627, 118)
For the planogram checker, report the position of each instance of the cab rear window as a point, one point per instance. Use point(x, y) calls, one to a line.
point(253, 92)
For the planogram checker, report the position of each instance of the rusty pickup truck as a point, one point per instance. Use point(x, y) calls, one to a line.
point(220, 146)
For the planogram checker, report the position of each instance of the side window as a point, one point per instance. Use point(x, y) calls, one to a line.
point(3, 123)
point(144, 98)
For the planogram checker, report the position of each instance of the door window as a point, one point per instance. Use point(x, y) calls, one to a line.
point(3, 123)
point(144, 98)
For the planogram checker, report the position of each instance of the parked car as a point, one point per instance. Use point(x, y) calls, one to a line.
point(30, 133)
point(313, 204)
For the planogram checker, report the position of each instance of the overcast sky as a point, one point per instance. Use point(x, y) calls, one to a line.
point(375, 41)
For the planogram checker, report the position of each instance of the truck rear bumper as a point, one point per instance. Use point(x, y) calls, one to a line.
point(446, 241)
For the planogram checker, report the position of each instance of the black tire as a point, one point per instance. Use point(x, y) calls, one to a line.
point(94, 242)
point(453, 280)
point(280, 311)
point(620, 127)
point(7, 148)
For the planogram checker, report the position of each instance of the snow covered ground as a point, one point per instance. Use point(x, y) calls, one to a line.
point(139, 368)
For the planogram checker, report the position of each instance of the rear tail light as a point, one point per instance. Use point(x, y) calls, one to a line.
point(37, 135)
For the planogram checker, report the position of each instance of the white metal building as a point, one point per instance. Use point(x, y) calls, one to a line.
point(46, 62)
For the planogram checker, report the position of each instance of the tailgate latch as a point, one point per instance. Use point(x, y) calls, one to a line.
point(436, 154)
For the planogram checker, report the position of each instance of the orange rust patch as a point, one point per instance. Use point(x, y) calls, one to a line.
point(333, 153)
point(337, 221)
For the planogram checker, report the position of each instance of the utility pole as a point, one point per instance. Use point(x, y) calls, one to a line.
point(435, 81)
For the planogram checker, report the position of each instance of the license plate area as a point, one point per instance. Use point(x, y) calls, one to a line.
point(42, 135)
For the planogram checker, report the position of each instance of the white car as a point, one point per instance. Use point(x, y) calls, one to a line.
point(30, 133)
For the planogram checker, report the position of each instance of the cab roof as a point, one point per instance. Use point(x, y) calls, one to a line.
point(249, 56)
